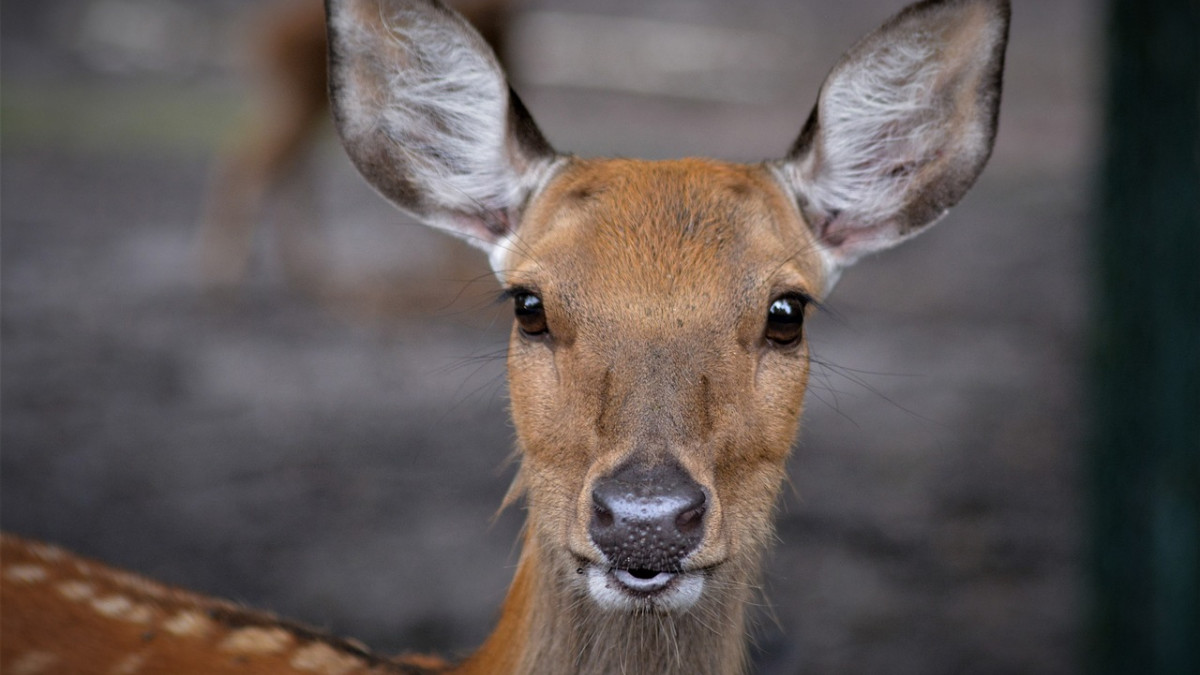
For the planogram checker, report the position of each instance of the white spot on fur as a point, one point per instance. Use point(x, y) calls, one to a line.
point(321, 658)
point(138, 584)
point(189, 623)
point(25, 574)
point(121, 607)
point(76, 590)
point(46, 552)
point(112, 605)
point(257, 640)
point(130, 665)
point(33, 663)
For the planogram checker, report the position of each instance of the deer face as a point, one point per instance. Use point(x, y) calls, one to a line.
point(657, 368)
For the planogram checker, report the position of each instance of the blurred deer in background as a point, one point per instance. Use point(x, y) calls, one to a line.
point(657, 362)
point(267, 158)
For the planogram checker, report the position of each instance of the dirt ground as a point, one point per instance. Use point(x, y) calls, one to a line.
point(342, 462)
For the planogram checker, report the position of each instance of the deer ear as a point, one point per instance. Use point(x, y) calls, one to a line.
point(902, 127)
point(427, 116)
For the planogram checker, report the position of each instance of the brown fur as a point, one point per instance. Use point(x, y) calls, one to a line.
point(116, 623)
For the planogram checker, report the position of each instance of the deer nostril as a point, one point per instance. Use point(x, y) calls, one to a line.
point(602, 515)
point(690, 520)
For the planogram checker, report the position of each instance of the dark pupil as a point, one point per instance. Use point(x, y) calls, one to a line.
point(530, 315)
point(785, 320)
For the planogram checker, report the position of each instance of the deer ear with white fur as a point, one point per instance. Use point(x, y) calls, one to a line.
point(427, 116)
point(902, 127)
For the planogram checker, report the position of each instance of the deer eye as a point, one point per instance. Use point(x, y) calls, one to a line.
point(785, 320)
point(531, 316)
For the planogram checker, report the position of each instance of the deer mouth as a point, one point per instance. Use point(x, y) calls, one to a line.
point(643, 580)
point(639, 588)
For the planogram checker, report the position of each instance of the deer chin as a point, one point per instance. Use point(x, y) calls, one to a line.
point(621, 590)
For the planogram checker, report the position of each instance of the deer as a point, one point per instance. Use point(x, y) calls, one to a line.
point(657, 362)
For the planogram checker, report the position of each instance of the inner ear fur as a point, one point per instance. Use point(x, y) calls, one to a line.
point(902, 127)
point(427, 116)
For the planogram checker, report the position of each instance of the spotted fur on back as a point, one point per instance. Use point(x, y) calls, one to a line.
point(91, 618)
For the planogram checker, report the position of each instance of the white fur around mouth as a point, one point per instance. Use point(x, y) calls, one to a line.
point(642, 583)
point(623, 590)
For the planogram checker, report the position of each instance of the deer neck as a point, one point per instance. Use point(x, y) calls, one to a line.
point(549, 625)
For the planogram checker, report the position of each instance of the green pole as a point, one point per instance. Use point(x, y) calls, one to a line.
point(1143, 464)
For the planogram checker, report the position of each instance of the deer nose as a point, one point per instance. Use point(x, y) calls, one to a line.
point(647, 517)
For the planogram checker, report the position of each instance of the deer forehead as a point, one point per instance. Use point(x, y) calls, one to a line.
point(657, 243)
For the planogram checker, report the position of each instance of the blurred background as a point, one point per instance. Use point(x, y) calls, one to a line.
point(319, 428)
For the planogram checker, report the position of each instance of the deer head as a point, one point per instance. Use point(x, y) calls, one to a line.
point(657, 362)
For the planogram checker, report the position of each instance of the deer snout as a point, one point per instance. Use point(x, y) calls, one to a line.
point(647, 519)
